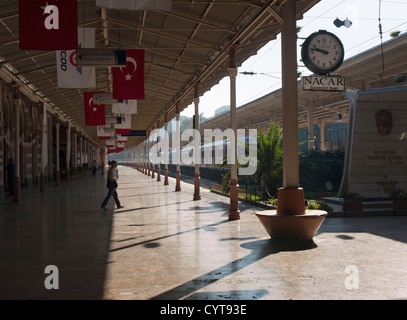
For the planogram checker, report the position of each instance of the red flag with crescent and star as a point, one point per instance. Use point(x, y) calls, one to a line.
point(94, 113)
point(128, 81)
point(48, 24)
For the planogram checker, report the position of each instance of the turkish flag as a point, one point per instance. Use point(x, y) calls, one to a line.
point(128, 81)
point(94, 113)
point(48, 24)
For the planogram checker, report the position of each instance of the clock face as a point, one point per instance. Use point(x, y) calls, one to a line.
point(322, 52)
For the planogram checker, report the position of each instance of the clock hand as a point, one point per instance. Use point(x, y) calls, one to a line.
point(320, 50)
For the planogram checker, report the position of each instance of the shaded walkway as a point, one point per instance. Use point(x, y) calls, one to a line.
point(163, 245)
point(63, 227)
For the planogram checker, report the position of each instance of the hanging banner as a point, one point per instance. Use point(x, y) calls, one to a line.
point(94, 113)
point(136, 133)
point(111, 143)
point(125, 126)
point(70, 75)
point(113, 120)
point(105, 98)
point(100, 57)
point(48, 24)
point(103, 131)
point(127, 106)
point(128, 81)
point(120, 138)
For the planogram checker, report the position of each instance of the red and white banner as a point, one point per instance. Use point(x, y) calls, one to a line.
point(48, 24)
point(163, 5)
point(125, 126)
point(101, 132)
point(69, 74)
point(111, 143)
point(114, 150)
point(127, 106)
point(120, 138)
point(128, 81)
point(94, 113)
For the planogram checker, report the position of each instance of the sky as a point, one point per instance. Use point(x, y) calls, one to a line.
point(362, 35)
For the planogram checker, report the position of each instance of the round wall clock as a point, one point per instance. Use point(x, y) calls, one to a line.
point(322, 52)
point(93, 148)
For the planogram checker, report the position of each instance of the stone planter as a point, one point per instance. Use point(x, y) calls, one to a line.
point(294, 227)
point(352, 205)
point(400, 204)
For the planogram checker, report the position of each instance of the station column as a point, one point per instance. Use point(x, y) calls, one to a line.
point(152, 159)
point(166, 152)
point(17, 105)
point(158, 162)
point(197, 153)
point(57, 174)
point(234, 212)
point(178, 149)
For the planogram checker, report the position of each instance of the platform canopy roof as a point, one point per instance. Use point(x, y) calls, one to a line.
point(184, 46)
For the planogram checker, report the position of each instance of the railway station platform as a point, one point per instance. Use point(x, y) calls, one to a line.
point(164, 246)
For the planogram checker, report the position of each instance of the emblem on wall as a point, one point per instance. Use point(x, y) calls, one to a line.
point(384, 121)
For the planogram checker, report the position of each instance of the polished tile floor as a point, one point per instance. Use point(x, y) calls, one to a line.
point(164, 245)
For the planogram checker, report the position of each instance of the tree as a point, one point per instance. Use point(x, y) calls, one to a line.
point(395, 34)
point(269, 161)
point(186, 123)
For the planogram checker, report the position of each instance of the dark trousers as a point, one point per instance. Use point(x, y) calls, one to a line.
point(112, 192)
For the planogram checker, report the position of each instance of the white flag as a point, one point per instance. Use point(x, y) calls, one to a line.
point(69, 74)
point(163, 5)
point(125, 125)
point(110, 143)
point(120, 138)
point(101, 131)
point(44, 140)
point(127, 106)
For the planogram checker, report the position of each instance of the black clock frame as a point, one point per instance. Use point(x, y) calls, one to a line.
point(306, 59)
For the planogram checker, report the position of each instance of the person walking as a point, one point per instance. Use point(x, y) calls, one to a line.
point(10, 176)
point(112, 177)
